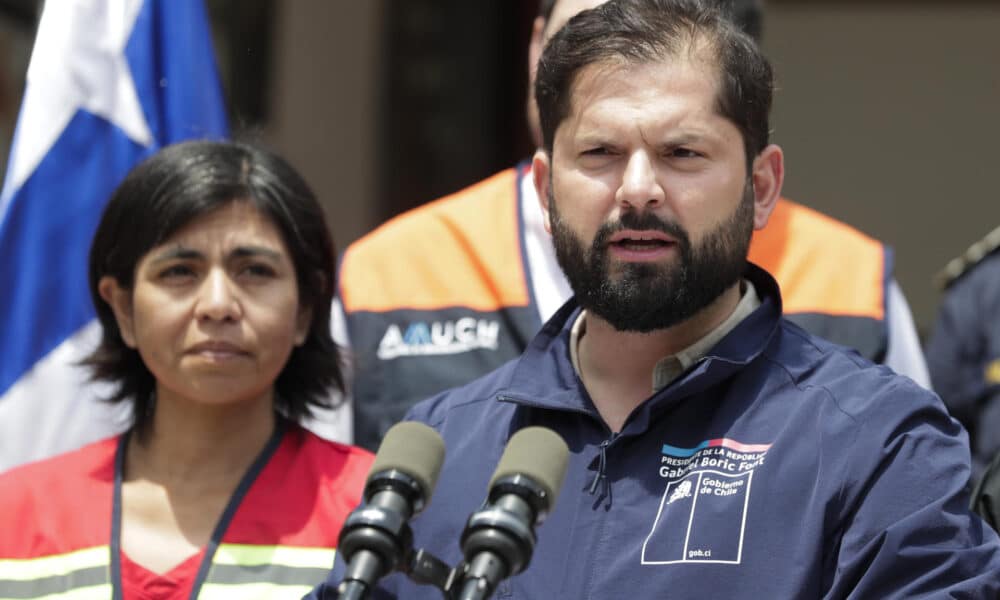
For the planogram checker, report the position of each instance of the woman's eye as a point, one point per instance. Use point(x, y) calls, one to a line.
point(176, 272)
point(259, 270)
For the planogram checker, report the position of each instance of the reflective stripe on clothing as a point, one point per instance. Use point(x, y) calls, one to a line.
point(78, 575)
point(287, 556)
point(265, 572)
point(435, 299)
point(238, 571)
point(475, 246)
point(822, 265)
point(255, 591)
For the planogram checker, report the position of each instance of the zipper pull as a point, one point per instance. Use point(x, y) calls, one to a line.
point(601, 475)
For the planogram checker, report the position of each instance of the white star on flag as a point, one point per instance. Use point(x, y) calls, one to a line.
point(78, 62)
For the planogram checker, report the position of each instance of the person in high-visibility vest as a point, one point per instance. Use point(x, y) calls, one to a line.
point(212, 271)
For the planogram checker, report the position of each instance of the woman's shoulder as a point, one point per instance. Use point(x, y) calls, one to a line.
point(91, 460)
point(70, 493)
point(332, 452)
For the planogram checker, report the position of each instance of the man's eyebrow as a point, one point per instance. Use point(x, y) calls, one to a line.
point(681, 139)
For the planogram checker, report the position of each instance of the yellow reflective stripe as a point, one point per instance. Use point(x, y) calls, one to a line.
point(289, 556)
point(253, 591)
point(94, 592)
point(22, 569)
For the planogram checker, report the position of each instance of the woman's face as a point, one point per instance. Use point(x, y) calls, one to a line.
point(214, 312)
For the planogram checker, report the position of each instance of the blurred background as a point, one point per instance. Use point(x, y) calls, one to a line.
point(888, 110)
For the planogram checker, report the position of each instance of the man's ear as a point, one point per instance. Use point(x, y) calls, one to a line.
point(767, 177)
point(120, 301)
point(541, 175)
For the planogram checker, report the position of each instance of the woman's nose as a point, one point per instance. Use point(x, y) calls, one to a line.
point(217, 298)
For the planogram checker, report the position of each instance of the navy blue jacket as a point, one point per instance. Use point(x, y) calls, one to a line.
point(778, 466)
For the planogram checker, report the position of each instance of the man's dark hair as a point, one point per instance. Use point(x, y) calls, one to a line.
point(169, 190)
point(647, 31)
point(747, 14)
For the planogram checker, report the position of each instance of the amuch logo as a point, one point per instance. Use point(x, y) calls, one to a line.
point(439, 337)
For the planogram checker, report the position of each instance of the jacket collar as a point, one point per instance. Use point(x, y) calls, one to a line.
point(544, 376)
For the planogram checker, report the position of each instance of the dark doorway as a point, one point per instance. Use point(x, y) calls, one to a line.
point(452, 96)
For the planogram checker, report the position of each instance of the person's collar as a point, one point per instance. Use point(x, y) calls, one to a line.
point(670, 367)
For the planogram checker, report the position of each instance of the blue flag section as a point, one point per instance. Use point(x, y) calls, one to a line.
point(109, 84)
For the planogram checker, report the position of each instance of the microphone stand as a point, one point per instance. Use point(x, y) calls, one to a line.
point(454, 583)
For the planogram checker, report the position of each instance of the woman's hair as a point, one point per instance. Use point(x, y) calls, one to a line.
point(177, 185)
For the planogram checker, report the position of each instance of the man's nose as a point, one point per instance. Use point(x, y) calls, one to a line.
point(640, 187)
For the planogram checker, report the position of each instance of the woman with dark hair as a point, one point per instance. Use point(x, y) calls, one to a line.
point(212, 271)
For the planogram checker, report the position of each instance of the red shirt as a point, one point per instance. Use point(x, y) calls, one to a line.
point(139, 583)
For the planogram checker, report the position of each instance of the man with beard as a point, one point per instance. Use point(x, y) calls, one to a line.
point(715, 449)
point(478, 277)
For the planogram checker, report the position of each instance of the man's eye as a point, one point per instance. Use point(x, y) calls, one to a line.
point(601, 151)
point(684, 153)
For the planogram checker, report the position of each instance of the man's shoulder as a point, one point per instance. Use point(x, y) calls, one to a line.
point(794, 229)
point(803, 216)
point(470, 206)
point(823, 266)
point(849, 380)
point(476, 400)
point(462, 250)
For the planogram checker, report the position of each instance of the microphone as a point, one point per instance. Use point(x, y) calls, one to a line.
point(376, 535)
point(498, 540)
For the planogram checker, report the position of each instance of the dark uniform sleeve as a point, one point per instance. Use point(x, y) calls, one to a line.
point(986, 496)
point(963, 355)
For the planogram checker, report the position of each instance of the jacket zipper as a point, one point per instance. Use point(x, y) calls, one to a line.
point(601, 476)
point(600, 486)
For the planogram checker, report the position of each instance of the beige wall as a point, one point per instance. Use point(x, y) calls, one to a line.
point(890, 118)
point(887, 112)
point(324, 105)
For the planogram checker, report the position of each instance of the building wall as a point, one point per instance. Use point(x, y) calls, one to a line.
point(888, 116)
point(887, 112)
point(324, 105)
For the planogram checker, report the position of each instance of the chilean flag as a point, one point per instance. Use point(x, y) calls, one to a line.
point(109, 83)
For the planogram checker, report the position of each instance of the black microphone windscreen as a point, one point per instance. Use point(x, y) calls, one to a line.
point(414, 449)
point(538, 453)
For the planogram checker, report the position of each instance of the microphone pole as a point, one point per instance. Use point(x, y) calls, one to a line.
point(498, 541)
point(376, 535)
